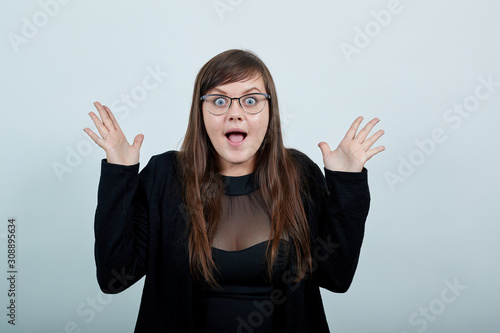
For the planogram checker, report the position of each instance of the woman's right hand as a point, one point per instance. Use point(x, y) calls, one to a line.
point(113, 141)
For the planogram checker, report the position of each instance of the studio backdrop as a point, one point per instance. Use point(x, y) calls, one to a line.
point(429, 70)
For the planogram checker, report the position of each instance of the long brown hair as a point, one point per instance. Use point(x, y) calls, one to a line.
point(276, 172)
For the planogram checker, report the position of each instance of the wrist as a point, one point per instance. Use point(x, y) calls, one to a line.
point(120, 161)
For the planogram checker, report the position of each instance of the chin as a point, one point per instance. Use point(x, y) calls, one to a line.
point(236, 159)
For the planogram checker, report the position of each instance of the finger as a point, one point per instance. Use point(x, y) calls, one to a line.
point(104, 116)
point(372, 152)
point(94, 137)
point(366, 130)
point(99, 125)
point(112, 117)
point(138, 141)
point(325, 148)
point(372, 139)
point(351, 133)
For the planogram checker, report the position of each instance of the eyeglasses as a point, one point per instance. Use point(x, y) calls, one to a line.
point(250, 103)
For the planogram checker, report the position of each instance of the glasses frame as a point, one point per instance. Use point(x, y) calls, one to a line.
point(203, 98)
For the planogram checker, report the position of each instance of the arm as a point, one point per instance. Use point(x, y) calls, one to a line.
point(121, 219)
point(345, 205)
point(341, 227)
point(121, 225)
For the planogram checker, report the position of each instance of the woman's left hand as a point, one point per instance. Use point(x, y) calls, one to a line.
point(354, 150)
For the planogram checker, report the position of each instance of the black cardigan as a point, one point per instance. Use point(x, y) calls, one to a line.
point(140, 230)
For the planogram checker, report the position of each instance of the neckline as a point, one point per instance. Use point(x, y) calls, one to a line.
point(240, 185)
point(248, 248)
point(245, 249)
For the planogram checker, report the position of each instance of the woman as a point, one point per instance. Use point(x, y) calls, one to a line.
point(234, 232)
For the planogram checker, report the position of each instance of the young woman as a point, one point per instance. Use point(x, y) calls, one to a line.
point(234, 232)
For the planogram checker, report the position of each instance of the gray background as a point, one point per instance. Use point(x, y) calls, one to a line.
point(434, 226)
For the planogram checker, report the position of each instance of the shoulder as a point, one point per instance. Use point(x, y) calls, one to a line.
point(313, 183)
point(160, 166)
point(163, 159)
point(306, 165)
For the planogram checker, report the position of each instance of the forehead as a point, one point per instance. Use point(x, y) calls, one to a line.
point(252, 84)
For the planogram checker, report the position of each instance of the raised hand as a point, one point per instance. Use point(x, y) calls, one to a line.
point(354, 150)
point(112, 140)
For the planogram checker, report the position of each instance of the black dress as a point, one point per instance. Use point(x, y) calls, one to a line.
point(140, 232)
point(243, 302)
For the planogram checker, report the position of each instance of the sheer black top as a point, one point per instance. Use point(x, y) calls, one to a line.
point(242, 302)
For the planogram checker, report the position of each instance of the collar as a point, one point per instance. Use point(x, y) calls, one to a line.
point(239, 185)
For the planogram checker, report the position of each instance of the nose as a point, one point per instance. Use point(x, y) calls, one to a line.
point(235, 111)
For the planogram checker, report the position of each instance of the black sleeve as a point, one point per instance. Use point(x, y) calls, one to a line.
point(343, 208)
point(121, 225)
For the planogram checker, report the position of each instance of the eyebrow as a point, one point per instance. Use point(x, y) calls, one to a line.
point(244, 93)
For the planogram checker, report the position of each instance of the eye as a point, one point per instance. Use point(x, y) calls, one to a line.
point(220, 101)
point(250, 101)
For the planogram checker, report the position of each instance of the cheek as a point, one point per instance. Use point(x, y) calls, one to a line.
point(210, 125)
point(263, 128)
point(263, 125)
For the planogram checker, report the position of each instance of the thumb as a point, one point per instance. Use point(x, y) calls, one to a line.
point(138, 140)
point(325, 148)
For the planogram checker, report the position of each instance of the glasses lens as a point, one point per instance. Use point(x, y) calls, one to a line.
point(217, 104)
point(253, 103)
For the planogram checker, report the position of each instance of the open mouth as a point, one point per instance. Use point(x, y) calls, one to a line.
point(236, 136)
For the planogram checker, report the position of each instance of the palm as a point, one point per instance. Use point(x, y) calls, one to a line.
point(354, 150)
point(112, 140)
